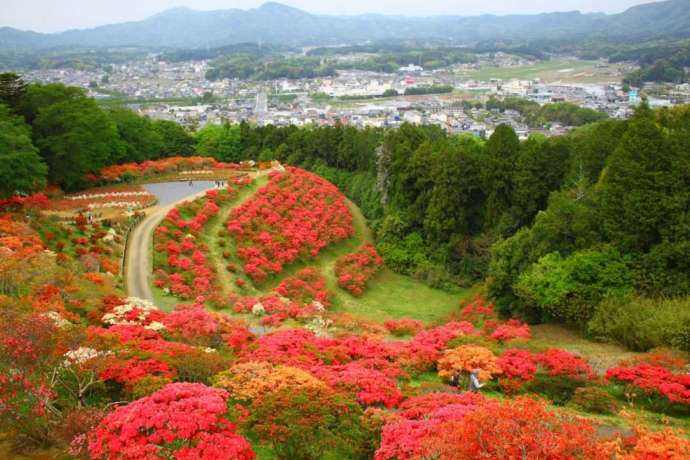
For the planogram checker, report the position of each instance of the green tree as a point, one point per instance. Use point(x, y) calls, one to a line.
point(176, 139)
point(501, 151)
point(22, 170)
point(569, 289)
point(12, 89)
point(644, 194)
point(221, 142)
point(76, 138)
point(539, 169)
point(141, 141)
point(40, 95)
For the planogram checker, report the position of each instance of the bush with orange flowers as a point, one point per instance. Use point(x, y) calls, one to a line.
point(467, 358)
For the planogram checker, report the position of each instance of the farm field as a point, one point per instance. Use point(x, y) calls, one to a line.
point(564, 70)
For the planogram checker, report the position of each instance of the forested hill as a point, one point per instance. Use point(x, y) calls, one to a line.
point(277, 23)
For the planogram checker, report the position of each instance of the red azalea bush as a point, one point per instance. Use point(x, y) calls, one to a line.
point(128, 372)
point(185, 270)
point(295, 215)
point(513, 329)
point(403, 326)
point(517, 365)
point(421, 418)
point(355, 269)
point(184, 421)
point(191, 323)
point(425, 348)
point(304, 287)
point(561, 363)
point(371, 386)
point(520, 428)
point(477, 310)
point(299, 296)
point(654, 380)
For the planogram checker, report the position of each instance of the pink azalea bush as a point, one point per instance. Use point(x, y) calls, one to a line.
point(183, 421)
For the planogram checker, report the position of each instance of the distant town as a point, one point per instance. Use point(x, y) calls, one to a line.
point(454, 98)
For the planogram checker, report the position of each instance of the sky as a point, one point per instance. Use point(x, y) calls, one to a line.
point(59, 15)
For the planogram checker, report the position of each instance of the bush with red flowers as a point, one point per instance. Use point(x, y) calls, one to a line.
point(181, 262)
point(654, 380)
point(520, 428)
point(403, 326)
point(355, 269)
point(184, 421)
point(294, 216)
point(513, 329)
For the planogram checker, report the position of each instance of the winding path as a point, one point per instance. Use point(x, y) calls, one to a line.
point(139, 260)
point(139, 257)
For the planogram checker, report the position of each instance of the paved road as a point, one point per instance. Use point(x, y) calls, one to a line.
point(138, 263)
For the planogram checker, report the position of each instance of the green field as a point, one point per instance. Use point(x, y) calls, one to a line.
point(567, 70)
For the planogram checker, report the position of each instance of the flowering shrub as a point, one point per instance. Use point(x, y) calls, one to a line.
point(425, 347)
point(306, 422)
point(371, 386)
point(183, 421)
point(666, 444)
point(129, 372)
point(135, 311)
point(420, 407)
point(182, 266)
point(520, 428)
point(467, 358)
point(477, 310)
point(513, 329)
point(660, 358)
point(654, 380)
point(561, 363)
point(295, 216)
point(355, 269)
point(518, 366)
point(403, 326)
point(191, 323)
point(299, 296)
point(305, 287)
point(253, 380)
point(420, 418)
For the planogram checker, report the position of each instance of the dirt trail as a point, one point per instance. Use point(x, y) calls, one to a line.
point(138, 262)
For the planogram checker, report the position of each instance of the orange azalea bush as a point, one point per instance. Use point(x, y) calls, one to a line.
point(666, 445)
point(254, 380)
point(466, 358)
point(521, 428)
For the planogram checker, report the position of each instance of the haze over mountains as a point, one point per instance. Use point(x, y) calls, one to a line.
point(277, 23)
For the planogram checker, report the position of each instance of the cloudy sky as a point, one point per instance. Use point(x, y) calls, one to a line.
point(58, 15)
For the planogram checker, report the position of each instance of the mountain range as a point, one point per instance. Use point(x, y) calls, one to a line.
point(278, 23)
